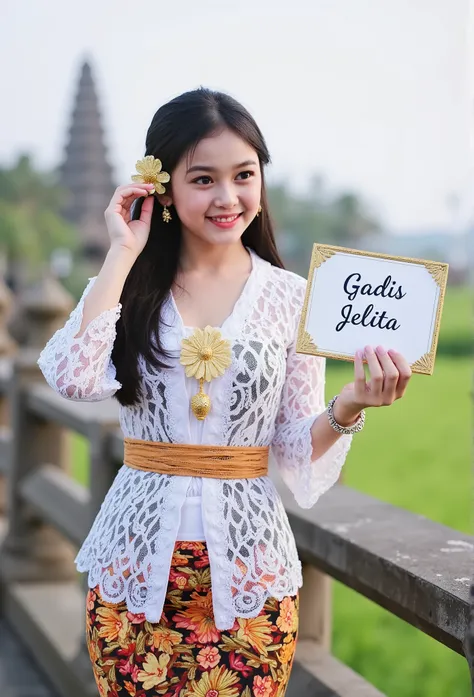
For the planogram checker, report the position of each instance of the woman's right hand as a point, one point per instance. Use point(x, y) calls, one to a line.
point(124, 233)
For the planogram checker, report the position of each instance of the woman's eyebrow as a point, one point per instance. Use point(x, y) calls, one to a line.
point(205, 168)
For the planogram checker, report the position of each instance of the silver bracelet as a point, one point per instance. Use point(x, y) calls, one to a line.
point(346, 430)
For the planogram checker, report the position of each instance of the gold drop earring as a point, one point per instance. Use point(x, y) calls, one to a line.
point(166, 215)
point(259, 211)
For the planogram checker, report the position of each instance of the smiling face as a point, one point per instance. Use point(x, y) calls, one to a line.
point(217, 190)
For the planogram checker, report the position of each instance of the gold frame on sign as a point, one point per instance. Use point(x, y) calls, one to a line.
point(321, 253)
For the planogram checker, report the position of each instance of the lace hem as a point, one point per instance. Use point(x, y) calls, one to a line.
point(129, 548)
point(308, 479)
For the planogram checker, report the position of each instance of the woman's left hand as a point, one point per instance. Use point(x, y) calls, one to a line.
point(389, 377)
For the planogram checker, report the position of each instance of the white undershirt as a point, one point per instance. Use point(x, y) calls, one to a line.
point(191, 527)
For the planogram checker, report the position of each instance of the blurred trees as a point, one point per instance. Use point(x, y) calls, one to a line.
point(31, 224)
point(318, 216)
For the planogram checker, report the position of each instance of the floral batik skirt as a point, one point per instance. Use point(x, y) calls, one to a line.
point(185, 655)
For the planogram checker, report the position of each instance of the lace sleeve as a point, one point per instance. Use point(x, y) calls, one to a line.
point(302, 400)
point(80, 368)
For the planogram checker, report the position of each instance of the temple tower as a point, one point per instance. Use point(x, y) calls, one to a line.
point(85, 171)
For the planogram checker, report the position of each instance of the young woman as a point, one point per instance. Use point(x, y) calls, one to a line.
point(191, 323)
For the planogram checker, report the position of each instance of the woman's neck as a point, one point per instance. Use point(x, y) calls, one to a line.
point(200, 258)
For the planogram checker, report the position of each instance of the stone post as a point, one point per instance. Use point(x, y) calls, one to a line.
point(46, 306)
point(8, 348)
point(32, 549)
point(315, 617)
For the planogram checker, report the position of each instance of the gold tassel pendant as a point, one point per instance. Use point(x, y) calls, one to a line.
point(201, 403)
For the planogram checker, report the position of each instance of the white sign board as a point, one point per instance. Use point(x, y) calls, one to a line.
point(354, 299)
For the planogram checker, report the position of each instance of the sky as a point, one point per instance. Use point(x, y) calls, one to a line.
point(375, 96)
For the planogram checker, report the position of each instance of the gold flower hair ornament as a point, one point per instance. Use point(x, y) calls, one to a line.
point(205, 355)
point(149, 172)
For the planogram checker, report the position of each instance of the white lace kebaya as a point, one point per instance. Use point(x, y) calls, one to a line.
point(270, 396)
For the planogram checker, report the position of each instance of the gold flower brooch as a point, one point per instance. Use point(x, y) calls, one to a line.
point(205, 355)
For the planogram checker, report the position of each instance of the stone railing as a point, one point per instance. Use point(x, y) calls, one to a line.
point(400, 560)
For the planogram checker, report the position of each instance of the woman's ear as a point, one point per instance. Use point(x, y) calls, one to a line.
point(165, 199)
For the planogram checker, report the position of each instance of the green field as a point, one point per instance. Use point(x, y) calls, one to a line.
point(415, 454)
point(456, 326)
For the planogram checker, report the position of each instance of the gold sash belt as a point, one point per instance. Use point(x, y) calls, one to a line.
point(220, 462)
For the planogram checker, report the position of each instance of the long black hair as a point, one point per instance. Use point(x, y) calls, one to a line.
point(176, 129)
